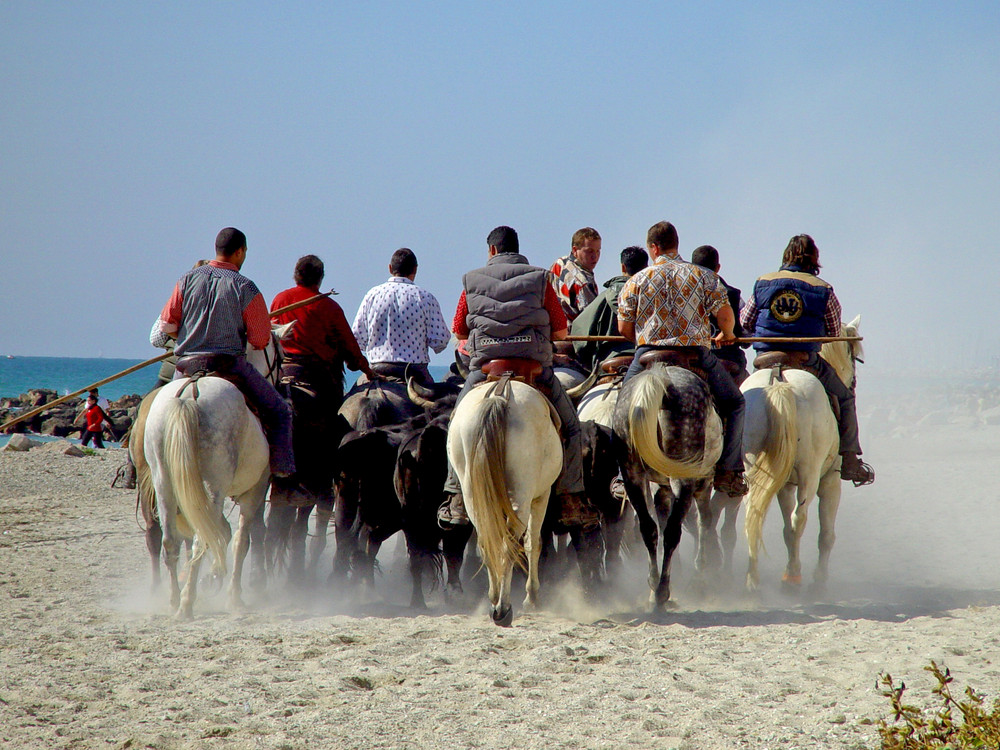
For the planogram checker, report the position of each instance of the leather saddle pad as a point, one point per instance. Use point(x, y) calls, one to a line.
point(688, 358)
point(521, 369)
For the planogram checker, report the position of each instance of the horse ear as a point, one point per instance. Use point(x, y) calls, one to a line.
point(856, 323)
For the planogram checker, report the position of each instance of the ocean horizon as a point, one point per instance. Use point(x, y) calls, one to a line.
point(65, 375)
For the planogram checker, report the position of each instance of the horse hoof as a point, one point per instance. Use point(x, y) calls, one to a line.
point(503, 619)
point(791, 584)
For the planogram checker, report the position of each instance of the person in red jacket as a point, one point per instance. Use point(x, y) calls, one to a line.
point(316, 351)
point(96, 420)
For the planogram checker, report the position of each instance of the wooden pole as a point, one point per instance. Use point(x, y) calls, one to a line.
point(133, 368)
point(744, 340)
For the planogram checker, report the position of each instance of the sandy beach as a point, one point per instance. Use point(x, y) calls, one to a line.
point(89, 656)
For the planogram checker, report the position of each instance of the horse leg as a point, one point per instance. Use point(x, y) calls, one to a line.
point(454, 542)
point(345, 528)
point(257, 528)
point(671, 538)
point(154, 541)
point(324, 512)
point(297, 544)
point(829, 503)
point(793, 511)
point(637, 490)
point(417, 557)
point(503, 612)
point(533, 549)
point(728, 508)
point(709, 556)
point(185, 608)
point(166, 508)
point(279, 522)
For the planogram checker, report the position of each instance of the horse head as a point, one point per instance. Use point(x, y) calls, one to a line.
point(843, 356)
point(267, 361)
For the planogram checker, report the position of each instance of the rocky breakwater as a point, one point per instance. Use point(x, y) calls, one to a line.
point(58, 421)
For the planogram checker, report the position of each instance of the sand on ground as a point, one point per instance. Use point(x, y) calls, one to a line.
point(89, 657)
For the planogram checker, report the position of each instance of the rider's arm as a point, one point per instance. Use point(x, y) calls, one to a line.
point(726, 320)
point(459, 324)
point(627, 329)
point(257, 322)
point(558, 323)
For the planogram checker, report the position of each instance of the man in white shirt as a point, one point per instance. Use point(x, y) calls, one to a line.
point(398, 321)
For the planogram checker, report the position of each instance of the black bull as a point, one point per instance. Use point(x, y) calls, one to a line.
point(391, 479)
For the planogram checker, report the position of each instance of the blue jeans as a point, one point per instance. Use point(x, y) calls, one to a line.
point(728, 401)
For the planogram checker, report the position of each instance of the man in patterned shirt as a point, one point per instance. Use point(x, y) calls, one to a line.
point(669, 304)
point(573, 274)
point(398, 321)
point(795, 301)
point(215, 310)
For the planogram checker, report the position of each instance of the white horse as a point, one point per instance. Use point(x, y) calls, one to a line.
point(505, 447)
point(791, 448)
point(202, 445)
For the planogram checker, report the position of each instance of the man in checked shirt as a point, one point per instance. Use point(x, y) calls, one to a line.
point(669, 304)
point(216, 310)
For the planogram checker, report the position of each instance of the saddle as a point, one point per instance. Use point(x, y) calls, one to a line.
point(613, 368)
point(198, 366)
point(686, 357)
point(499, 373)
point(778, 361)
point(524, 370)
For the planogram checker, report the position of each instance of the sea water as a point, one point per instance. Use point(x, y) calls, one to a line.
point(66, 375)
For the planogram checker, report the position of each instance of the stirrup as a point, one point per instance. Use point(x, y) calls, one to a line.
point(452, 512)
point(860, 475)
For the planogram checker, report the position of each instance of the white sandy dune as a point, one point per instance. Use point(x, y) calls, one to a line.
point(90, 658)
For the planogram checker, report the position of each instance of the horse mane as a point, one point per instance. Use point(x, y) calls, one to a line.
point(841, 354)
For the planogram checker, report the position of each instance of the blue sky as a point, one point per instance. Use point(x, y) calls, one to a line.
point(130, 133)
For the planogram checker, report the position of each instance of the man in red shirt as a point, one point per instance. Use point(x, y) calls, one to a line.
point(320, 343)
point(316, 350)
point(508, 308)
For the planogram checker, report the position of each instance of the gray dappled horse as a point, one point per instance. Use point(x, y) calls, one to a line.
point(668, 432)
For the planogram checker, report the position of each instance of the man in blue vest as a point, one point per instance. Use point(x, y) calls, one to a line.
point(508, 308)
point(795, 301)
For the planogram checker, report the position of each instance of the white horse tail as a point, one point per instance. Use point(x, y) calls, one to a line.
point(497, 524)
point(180, 451)
point(643, 416)
point(775, 459)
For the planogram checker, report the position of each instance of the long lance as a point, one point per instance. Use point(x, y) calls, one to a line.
point(147, 363)
point(742, 340)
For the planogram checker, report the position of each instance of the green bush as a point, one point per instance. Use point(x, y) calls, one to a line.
point(955, 725)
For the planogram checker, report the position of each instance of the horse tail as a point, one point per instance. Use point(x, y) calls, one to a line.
point(775, 459)
point(180, 451)
point(643, 423)
point(497, 525)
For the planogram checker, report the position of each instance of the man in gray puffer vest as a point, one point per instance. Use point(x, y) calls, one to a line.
point(507, 309)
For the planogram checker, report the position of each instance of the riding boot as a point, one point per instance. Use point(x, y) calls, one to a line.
point(452, 511)
point(731, 481)
point(853, 469)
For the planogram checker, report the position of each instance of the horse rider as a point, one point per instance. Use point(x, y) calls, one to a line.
point(509, 309)
point(398, 321)
point(795, 301)
point(321, 342)
point(215, 310)
point(573, 274)
point(707, 256)
point(669, 305)
point(600, 317)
